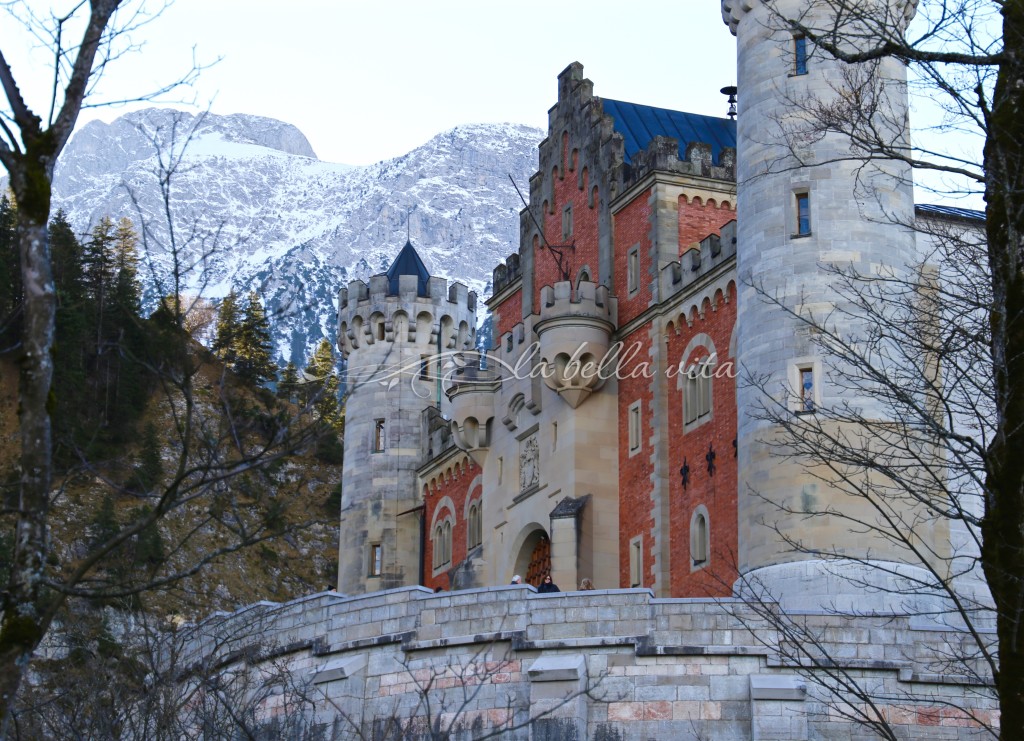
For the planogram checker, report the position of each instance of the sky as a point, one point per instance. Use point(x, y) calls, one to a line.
point(366, 81)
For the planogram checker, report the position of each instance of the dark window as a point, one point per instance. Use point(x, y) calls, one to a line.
point(376, 559)
point(806, 389)
point(803, 213)
point(799, 55)
point(378, 436)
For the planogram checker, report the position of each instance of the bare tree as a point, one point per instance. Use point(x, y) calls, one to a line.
point(216, 436)
point(940, 344)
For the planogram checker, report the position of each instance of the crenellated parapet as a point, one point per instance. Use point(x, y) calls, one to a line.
point(443, 317)
point(574, 332)
point(696, 264)
point(733, 11)
point(506, 273)
point(662, 155)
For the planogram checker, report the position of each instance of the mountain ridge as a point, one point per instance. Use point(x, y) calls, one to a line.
point(286, 224)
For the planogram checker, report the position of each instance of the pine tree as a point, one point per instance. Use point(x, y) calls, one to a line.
point(254, 346)
point(127, 290)
point(149, 468)
point(73, 330)
point(287, 386)
point(229, 325)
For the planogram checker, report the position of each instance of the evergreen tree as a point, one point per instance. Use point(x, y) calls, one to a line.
point(73, 328)
point(289, 383)
point(323, 370)
point(253, 348)
point(149, 469)
point(99, 271)
point(127, 290)
point(229, 324)
point(105, 525)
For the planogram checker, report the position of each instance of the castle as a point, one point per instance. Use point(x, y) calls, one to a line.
point(609, 434)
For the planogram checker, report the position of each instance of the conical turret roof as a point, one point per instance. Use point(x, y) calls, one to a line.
point(408, 262)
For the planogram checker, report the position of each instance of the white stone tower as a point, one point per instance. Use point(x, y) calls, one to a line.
point(393, 334)
point(802, 207)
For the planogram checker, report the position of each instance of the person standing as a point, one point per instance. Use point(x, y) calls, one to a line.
point(546, 585)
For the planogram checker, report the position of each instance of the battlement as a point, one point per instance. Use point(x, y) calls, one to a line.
point(694, 264)
point(588, 300)
point(374, 313)
point(507, 272)
point(662, 155)
point(733, 11)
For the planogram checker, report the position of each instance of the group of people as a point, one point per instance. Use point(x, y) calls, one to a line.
point(547, 585)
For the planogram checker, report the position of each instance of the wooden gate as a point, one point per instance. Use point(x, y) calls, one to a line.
point(540, 562)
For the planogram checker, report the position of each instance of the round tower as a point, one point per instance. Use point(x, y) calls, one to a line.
point(807, 205)
point(394, 334)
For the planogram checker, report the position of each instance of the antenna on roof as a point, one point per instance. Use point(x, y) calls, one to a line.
point(408, 227)
point(730, 90)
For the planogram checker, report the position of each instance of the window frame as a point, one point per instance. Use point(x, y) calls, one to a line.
point(634, 427)
point(802, 213)
point(375, 567)
point(800, 56)
point(380, 435)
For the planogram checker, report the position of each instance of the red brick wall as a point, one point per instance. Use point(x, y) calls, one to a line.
point(635, 470)
point(716, 492)
point(633, 226)
point(455, 482)
point(698, 220)
point(509, 313)
point(584, 233)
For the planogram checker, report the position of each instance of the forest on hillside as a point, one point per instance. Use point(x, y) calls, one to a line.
point(191, 473)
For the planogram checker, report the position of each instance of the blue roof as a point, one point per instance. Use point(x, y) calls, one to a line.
point(638, 124)
point(408, 262)
point(951, 212)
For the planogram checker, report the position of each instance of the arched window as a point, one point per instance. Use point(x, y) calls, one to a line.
point(474, 532)
point(446, 543)
point(699, 537)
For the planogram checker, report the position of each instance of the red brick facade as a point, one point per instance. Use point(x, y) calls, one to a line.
point(447, 498)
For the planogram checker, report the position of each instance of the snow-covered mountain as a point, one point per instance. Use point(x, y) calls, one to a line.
point(252, 207)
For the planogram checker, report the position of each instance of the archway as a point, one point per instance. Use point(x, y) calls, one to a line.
point(534, 559)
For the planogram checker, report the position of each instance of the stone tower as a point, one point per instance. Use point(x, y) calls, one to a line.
point(804, 205)
point(394, 334)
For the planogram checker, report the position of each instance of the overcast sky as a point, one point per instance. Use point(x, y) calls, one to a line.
point(366, 81)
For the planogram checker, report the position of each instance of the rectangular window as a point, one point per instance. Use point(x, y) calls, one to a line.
point(424, 366)
point(807, 389)
point(376, 559)
point(799, 55)
point(379, 437)
point(633, 270)
point(803, 213)
point(636, 566)
point(567, 222)
point(634, 427)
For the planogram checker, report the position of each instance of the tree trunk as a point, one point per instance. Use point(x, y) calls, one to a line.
point(25, 618)
point(1003, 525)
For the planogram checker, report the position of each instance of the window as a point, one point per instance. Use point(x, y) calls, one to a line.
point(442, 546)
point(376, 559)
point(806, 390)
point(697, 392)
point(805, 379)
point(636, 565)
point(634, 427)
point(474, 533)
point(799, 55)
point(803, 214)
point(424, 367)
point(379, 437)
point(567, 222)
point(699, 537)
point(633, 270)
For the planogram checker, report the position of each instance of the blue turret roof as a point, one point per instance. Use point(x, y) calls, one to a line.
point(408, 262)
point(638, 124)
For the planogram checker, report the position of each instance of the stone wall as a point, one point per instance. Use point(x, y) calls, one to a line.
point(611, 664)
